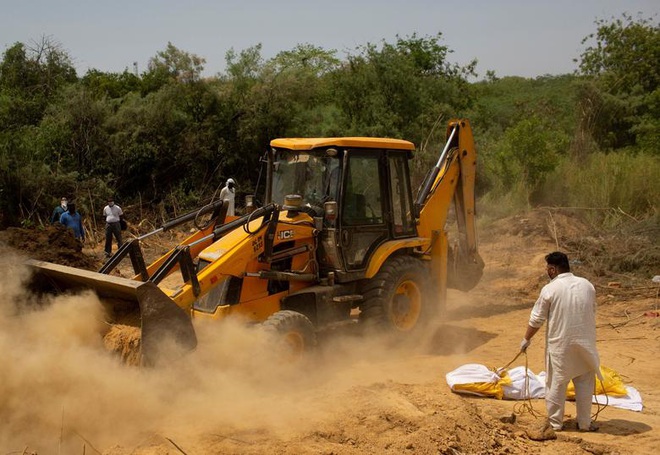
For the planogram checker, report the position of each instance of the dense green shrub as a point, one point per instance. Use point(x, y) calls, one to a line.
point(622, 181)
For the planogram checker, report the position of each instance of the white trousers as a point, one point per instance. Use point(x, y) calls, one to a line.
point(555, 398)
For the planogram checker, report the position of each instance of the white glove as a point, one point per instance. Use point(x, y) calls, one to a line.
point(524, 344)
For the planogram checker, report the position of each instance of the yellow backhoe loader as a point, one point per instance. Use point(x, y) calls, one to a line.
point(340, 233)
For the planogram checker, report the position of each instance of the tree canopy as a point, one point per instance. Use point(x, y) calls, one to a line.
point(170, 136)
point(621, 62)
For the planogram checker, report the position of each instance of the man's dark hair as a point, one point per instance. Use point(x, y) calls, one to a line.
point(559, 260)
point(72, 207)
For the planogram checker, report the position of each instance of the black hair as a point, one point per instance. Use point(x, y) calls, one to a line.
point(559, 260)
point(72, 207)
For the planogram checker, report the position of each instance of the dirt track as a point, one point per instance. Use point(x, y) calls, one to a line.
point(66, 395)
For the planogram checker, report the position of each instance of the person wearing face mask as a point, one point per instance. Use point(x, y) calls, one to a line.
point(568, 304)
point(58, 211)
point(112, 214)
point(228, 194)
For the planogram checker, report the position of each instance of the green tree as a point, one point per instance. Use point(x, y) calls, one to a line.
point(171, 65)
point(111, 85)
point(244, 108)
point(72, 134)
point(401, 88)
point(622, 60)
point(29, 77)
point(527, 153)
point(179, 65)
point(304, 77)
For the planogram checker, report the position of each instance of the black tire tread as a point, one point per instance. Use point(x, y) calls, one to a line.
point(285, 321)
point(380, 289)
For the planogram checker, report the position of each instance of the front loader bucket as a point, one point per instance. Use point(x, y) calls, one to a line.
point(160, 319)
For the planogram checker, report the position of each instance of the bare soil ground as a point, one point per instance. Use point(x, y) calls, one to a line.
point(357, 396)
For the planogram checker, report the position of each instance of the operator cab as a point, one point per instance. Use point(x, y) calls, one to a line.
point(360, 187)
point(311, 175)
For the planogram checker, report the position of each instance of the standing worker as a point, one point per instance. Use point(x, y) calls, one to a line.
point(228, 194)
point(58, 211)
point(568, 303)
point(73, 220)
point(113, 214)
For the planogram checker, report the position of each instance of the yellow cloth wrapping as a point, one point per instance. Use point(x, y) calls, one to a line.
point(485, 389)
point(612, 385)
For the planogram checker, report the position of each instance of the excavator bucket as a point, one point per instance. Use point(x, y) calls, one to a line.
point(142, 304)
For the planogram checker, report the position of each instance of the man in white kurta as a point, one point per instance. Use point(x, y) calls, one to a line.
point(228, 194)
point(568, 303)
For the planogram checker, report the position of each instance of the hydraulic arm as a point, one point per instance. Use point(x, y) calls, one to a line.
point(453, 178)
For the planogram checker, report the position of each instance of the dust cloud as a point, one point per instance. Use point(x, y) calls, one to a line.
point(61, 389)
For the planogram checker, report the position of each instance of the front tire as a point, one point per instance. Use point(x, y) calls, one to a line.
point(294, 331)
point(395, 299)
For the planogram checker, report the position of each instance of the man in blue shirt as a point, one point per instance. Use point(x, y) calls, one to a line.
point(73, 220)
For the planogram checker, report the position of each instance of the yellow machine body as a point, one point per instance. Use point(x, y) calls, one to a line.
point(341, 231)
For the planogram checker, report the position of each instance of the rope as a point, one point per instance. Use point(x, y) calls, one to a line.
point(599, 407)
point(506, 367)
point(526, 404)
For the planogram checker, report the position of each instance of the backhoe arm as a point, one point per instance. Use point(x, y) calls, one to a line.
point(453, 177)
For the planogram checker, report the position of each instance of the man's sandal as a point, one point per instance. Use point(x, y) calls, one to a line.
point(592, 427)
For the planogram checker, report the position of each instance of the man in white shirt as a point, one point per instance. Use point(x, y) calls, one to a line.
point(112, 213)
point(228, 194)
point(568, 303)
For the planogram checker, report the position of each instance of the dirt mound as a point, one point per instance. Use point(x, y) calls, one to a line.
point(557, 225)
point(620, 252)
point(53, 243)
point(628, 252)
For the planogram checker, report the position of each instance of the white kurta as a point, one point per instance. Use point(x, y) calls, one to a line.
point(228, 195)
point(568, 303)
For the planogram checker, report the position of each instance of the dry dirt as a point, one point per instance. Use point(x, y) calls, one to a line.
point(60, 392)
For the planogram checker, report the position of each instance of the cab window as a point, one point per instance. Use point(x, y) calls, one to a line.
point(402, 220)
point(362, 200)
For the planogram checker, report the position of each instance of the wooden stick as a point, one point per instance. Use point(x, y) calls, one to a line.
point(240, 440)
point(629, 216)
point(178, 448)
point(621, 324)
point(554, 229)
point(86, 441)
point(59, 448)
point(91, 204)
point(620, 339)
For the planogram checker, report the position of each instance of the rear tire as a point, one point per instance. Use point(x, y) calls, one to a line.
point(396, 299)
point(295, 332)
